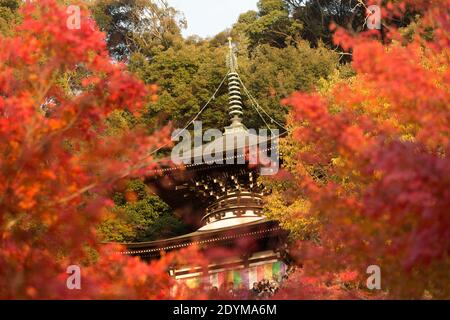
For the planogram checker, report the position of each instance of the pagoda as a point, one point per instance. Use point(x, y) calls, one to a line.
point(224, 198)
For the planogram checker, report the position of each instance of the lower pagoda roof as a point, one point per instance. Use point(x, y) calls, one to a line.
point(262, 229)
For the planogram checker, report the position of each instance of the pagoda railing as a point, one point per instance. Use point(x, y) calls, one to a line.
point(237, 203)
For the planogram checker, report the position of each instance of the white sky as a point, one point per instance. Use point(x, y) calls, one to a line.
point(209, 17)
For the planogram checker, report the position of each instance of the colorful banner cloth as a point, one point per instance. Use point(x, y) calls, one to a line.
point(246, 276)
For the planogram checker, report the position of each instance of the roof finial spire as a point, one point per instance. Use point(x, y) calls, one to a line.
point(234, 93)
point(232, 61)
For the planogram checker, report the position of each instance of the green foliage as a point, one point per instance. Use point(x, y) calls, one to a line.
point(134, 25)
point(187, 77)
point(120, 121)
point(273, 63)
point(8, 15)
point(315, 16)
point(270, 25)
point(272, 74)
point(139, 216)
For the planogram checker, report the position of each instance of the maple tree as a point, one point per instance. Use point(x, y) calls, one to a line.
point(140, 216)
point(370, 158)
point(57, 165)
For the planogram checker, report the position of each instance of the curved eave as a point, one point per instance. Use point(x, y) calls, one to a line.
point(255, 230)
point(194, 162)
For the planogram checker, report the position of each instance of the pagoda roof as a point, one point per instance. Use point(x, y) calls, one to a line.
point(260, 229)
point(226, 146)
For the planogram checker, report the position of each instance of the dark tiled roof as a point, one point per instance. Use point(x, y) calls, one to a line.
point(259, 229)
